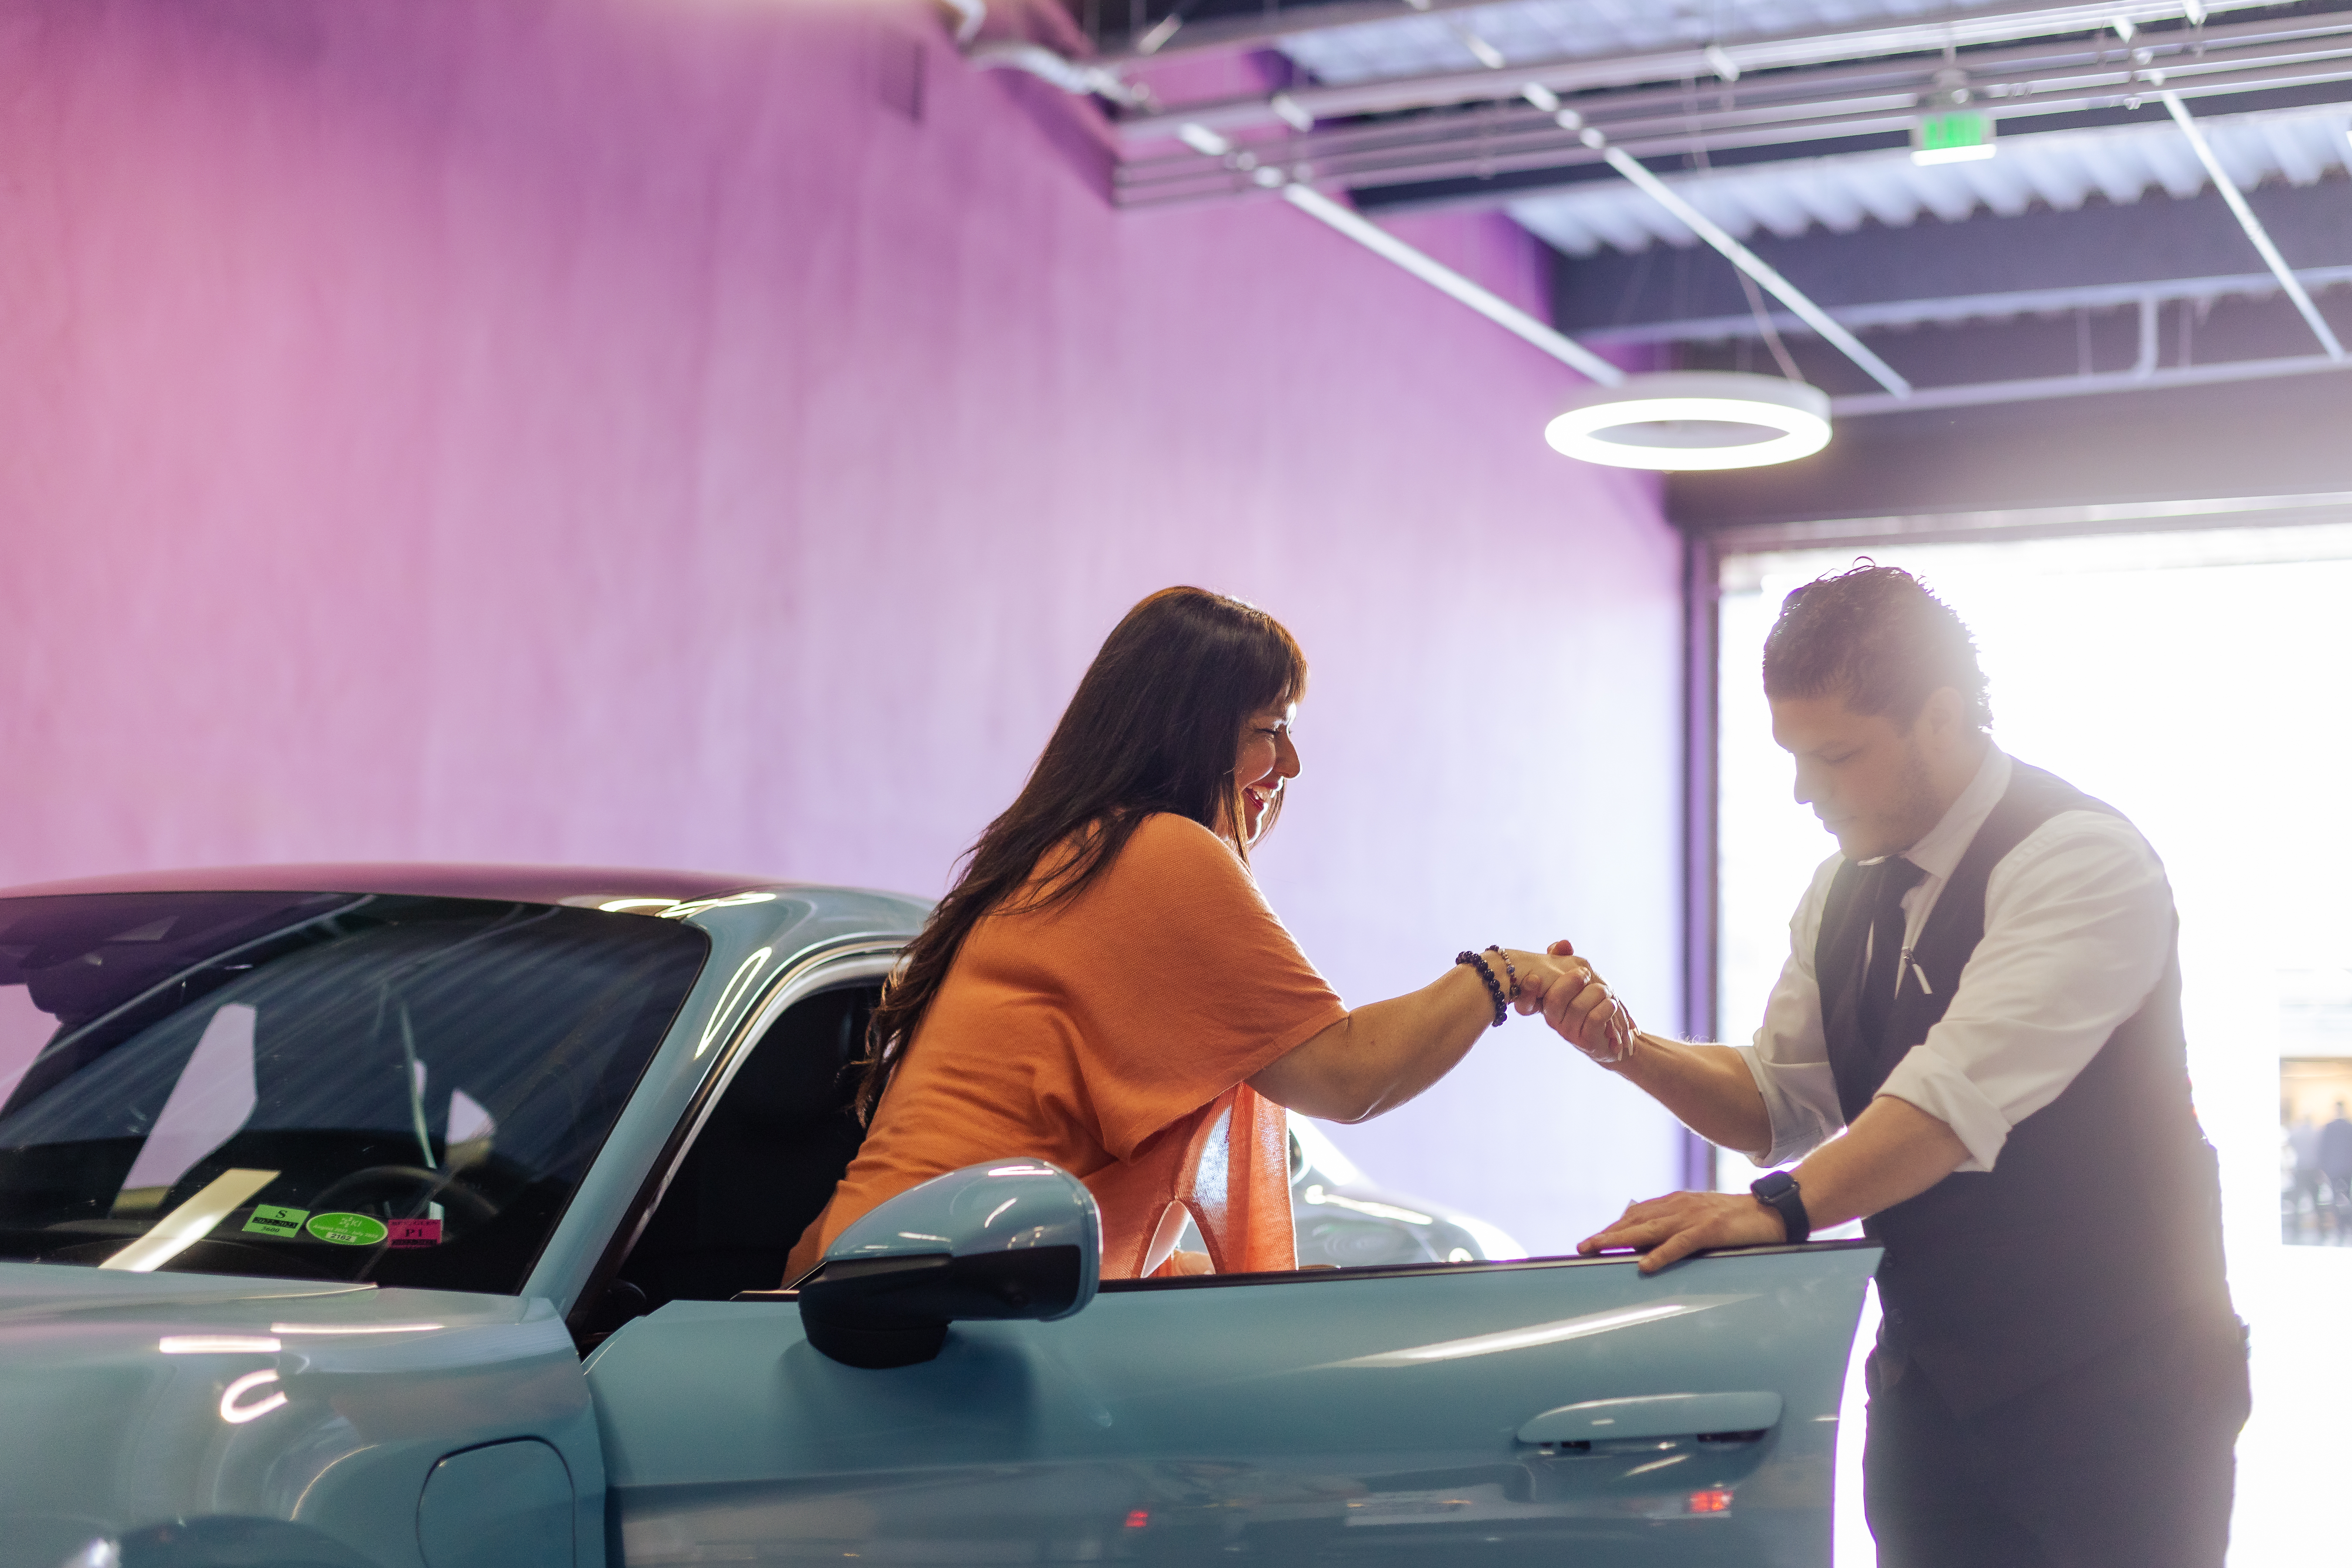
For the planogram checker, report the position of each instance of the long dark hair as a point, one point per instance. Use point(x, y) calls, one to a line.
point(1154, 726)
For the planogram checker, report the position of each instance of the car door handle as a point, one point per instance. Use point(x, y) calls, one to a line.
point(1654, 1416)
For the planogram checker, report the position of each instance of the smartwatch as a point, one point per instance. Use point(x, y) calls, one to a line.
point(1777, 1191)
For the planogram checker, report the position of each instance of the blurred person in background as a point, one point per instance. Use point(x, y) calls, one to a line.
point(1104, 977)
point(2335, 1161)
point(2304, 1205)
point(1975, 1047)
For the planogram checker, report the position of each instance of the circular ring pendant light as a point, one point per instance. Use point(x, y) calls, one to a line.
point(1694, 419)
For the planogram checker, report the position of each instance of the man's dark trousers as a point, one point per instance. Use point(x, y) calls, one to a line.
point(2122, 1462)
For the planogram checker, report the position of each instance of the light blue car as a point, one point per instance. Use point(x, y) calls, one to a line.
point(433, 1217)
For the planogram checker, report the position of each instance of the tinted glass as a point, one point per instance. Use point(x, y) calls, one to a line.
point(317, 1086)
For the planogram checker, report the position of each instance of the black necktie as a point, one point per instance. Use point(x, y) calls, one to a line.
point(1891, 879)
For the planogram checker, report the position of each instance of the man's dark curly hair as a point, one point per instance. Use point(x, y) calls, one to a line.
point(1876, 637)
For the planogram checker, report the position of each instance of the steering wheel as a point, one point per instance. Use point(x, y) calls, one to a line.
point(442, 1188)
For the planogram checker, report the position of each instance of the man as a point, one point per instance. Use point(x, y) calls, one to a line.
point(1976, 1048)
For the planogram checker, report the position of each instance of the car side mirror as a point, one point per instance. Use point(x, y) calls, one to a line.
point(1003, 1239)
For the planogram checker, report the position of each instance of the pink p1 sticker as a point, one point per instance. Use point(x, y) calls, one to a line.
point(415, 1233)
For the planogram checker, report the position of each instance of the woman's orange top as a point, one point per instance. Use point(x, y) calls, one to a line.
point(1100, 1035)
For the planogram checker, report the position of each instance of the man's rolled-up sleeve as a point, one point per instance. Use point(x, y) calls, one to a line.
point(1790, 1058)
point(2078, 928)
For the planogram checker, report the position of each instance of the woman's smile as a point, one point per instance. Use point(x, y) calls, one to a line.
point(1256, 800)
point(1266, 759)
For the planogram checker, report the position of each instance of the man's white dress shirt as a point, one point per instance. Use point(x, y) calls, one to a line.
point(2078, 926)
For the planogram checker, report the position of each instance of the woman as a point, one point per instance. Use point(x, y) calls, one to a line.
point(1105, 978)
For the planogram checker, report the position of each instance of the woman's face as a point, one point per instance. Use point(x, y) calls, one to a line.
point(1266, 759)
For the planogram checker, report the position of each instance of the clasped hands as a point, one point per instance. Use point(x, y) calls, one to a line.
point(1576, 1002)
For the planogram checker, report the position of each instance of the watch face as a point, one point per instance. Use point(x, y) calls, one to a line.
point(1777, 1191)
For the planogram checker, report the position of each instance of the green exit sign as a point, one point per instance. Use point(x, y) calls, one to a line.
point(1954, 138)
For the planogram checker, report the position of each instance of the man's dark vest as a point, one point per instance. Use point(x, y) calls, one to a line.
point(2102, 1213)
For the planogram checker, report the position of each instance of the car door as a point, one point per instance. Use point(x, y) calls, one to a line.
point(1551, 1410)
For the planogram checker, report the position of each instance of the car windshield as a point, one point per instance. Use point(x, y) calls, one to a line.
point(315, 1086)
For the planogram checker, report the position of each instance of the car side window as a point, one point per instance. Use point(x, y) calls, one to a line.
point(765, 1161)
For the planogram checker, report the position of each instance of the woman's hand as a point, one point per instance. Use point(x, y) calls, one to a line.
point(1528, 977)
point(1581, 1005)
point(1538, 975)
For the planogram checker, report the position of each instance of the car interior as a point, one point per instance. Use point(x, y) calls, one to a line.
point(765, 1162)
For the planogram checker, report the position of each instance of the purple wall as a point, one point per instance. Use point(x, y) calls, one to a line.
point(612, 431)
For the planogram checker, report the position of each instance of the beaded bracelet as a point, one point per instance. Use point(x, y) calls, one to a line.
point(1510, 970)
point(1494, 986)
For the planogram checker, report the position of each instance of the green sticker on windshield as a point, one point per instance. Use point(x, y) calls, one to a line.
point(347, 1229)
point(271, 1220)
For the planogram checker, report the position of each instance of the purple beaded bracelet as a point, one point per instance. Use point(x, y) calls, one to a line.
point(1510, 970)
point(1494, 986)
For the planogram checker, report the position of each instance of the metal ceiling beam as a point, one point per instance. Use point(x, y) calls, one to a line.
point(1982, 25)
point(1960, 307)
point(1444, 278)
point(1529, 146)
point(2007, 26)
point(1262, 28)
point(2253, 225)
point(2044, 252)
point(1520, 143)
point(1755, 265)
point(2037, 388)
point(1514, 136)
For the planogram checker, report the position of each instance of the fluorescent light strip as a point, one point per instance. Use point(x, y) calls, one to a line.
point(1203, 139)
point(351, 1329)
point(1928, 157)
point(216, 1344)
point(190, 1223)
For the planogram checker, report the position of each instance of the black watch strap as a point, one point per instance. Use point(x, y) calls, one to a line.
point(1777, 1191)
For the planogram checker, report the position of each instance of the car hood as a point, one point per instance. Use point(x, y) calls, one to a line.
point(30, 1292)
point(133, 1400)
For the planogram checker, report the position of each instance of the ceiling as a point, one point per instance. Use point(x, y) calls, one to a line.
point(1790, 124)
point(2059, 169)
point(1527, 31)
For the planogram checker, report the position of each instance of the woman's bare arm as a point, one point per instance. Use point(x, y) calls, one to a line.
point(1383, 1054)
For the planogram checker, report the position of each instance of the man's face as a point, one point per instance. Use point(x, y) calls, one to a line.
point(1865, 777)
